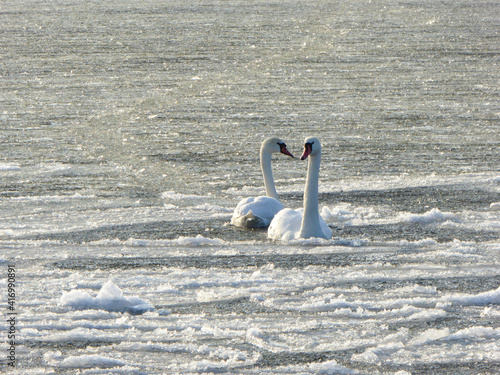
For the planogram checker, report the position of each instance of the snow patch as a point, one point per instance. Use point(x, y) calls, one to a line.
point(495, 206)
point(212, 208)
point(52, 198)
point(347, 214)
point(172, 195)
point(429, 336)
point(331, 368)
point(199, 240)
point(432, 216)
point(481, 299)
point(378, 354)
point(9, 167)
point(55, 359)
point(109, 298)
point(426, 242)
point(475, 333)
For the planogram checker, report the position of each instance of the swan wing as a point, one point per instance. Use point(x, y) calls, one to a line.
point(255, 212)
point(285, 225)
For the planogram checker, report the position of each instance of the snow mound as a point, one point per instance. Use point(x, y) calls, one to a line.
point(109, 298)
point(56, 359)
point(475, 333)
point(332, 368)
point(432, 216)
point(495, 206)
point(212, 208)
point(480, 299)
point(347, 214)
point(9, 167)
point(174, 196)
point(89, 361)
point(430, 335)
point(198, 240)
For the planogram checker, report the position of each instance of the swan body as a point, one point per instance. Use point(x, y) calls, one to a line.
point(258, 212)
point(291, 224)
point(286, 226)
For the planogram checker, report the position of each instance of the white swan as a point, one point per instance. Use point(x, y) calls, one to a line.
point(258, 212)
point(291, 224)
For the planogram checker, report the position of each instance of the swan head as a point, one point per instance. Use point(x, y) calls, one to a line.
point(312, 146)
point(274, 146)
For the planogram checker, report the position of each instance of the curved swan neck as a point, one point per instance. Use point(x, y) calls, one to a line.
point(265, 163)
point(310, 220)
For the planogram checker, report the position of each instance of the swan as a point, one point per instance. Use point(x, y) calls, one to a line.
point(258, 212)
point(291, 224)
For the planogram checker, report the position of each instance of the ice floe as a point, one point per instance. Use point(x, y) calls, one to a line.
point(56, 359)
point(432, 216)
point(109, 298)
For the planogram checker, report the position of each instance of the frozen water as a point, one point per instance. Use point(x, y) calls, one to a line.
point(131, 130)
point(109, 298)
point(431, 216)
point(83, 361)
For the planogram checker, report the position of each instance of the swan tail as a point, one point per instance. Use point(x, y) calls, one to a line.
point(249, 220)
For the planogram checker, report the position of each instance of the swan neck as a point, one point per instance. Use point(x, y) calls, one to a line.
point(265, 163)
point(311, 193)
point(310, 220)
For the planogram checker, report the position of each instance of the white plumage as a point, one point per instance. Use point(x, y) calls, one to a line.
point(306, 222)
point(259, 211)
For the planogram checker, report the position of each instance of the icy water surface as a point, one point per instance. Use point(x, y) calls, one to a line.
point(131, 129)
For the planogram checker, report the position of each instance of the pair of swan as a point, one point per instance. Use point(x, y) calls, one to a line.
point(285, 223)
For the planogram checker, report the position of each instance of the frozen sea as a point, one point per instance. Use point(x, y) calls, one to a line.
point(130, 130)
